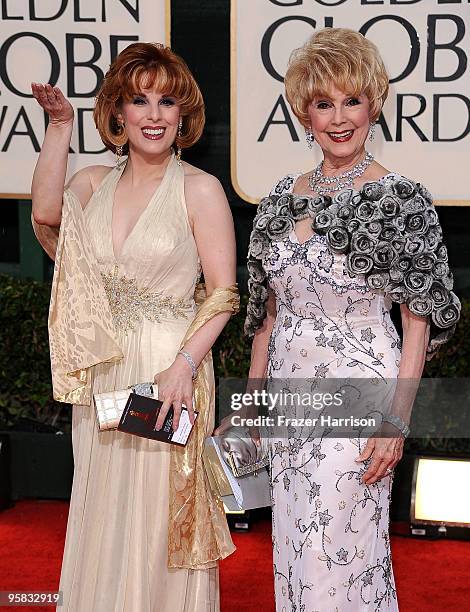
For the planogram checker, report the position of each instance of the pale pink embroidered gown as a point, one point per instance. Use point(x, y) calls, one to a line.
point(331, 541)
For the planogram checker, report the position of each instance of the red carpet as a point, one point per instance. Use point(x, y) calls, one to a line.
point(431, 576)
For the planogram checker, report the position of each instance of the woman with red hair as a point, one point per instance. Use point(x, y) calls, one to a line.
point(130, 242)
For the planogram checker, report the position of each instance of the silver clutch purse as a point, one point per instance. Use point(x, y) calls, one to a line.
point(110, 405)
point(242, 454)
point(238, 493)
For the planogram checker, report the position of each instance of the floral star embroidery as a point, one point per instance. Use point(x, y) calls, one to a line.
point(324, 518)
point(336, 343)
point(367, 335)
point(321, 370)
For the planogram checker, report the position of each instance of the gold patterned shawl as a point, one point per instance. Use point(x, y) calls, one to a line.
point(198, 533)
point(82, 334)
point(81, 329)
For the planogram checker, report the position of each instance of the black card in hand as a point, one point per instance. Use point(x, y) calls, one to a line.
point(140, 416)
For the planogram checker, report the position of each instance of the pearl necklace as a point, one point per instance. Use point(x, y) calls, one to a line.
point(322, 184)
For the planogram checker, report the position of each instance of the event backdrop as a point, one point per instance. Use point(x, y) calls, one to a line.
point(423, 131)
point(69, 43)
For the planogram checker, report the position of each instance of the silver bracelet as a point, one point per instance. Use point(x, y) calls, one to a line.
point(398, 422)
point(190, 360)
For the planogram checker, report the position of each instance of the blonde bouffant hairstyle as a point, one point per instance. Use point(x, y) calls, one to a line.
point(148, 66)
point(340, 57)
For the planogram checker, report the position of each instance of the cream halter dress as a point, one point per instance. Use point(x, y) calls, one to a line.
point(115, 557)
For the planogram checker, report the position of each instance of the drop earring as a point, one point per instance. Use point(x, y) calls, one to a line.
point(309, 137)
point(119, 147)
point(372, 130)
point(178, 150)
point(118, 154)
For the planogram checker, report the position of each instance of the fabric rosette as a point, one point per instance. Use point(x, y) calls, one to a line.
point(316, 204)
point(299, 207)
point(377, 280)
point(417, 282)
point(389, 206)
point(373, 190)
point(257, 290)
point(424, 262)
point(448, 281)
point(440, 269)
point(353, 225)
point(447, 316)
point(399, 268)
point(389, 232)
point(439, 294)
point(390, 235)
point(261, 221)
point(338, 237)
point(433, 238)
point(421, 305)
point(279, 227)
point(403, 188)
point(345, 212)
point(256, 309)
point(441, 253)
point(398, 294)
point(396, 275)
point(416, 224)
point(266, 205)
point(363, 243)
point(415, 205)
point(359, 263)
point(343, 197)
point(431, 216)
point(366, 211)
point(256, 312)
point(399, 222)
point(283, 206)
point(384, 255)
point(398, 244)
point(256, 270)
point(414, 245)
point(323, 221)
point(258, 244)
point(373, 228)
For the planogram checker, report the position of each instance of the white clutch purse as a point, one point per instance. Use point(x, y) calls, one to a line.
point(110, 405)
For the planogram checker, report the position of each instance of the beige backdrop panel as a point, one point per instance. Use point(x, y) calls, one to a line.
point(28, 59)
point(441, 166)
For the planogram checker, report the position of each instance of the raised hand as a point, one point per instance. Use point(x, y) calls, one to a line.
point(53, 101)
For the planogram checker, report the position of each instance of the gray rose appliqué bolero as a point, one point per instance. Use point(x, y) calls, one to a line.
point(390, 234)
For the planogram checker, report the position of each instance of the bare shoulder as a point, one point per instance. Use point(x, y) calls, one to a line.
point(86, 181)
point(375, 172)
point(94, 174)
point(97, 174)
point(202, 190)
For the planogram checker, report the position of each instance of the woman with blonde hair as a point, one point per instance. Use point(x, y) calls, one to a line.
point(330, 250)
point(144, 532)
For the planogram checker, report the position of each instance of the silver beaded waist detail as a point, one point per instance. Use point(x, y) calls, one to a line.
point(129, 304)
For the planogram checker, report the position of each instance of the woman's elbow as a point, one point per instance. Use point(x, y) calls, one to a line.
point(44, 217)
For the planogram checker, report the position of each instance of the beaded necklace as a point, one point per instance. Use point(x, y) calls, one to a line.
point(322, 184)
